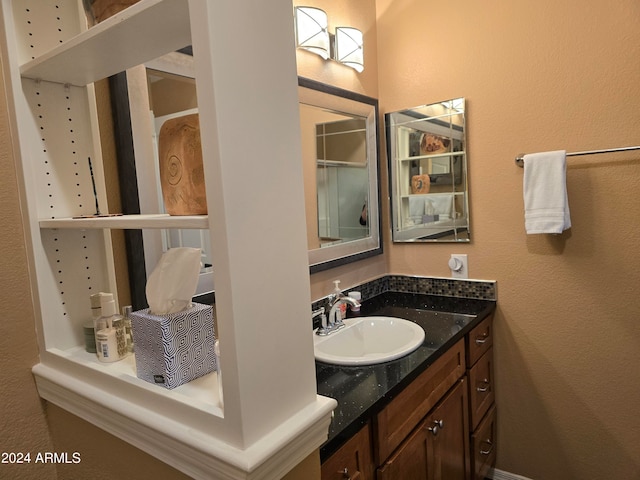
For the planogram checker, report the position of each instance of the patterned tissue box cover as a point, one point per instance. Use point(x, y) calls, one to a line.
point(174, 349)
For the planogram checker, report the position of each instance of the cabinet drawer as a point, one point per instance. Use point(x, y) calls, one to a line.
point(483, 440)
point(479, 340)
point(481, 390)
point(401, 416)
point(353, 460)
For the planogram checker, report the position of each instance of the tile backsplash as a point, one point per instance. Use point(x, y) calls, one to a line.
point(446, 287)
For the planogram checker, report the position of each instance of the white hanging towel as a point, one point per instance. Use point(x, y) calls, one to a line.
point(546, 205)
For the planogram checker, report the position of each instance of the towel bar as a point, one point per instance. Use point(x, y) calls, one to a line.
point(520, 158)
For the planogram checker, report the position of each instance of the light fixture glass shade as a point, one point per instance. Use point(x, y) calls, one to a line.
point(312, 30)
point(349, 48)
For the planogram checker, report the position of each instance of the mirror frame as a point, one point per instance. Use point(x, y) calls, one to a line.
point(343, 253)
point(128, 182)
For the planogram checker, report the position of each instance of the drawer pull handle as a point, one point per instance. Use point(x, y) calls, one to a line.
point(487, 452)
point(482, 339)
point(437, 425)
point(485, 388)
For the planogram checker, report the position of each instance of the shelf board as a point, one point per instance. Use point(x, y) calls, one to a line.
point(120, 42)
point(413, 195)
point(435, 155)
point(199, 394)
point(130, 222)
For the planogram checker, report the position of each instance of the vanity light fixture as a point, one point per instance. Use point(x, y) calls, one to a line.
point(312, 34)
point(456, 104)
point(349, 48)
point(312, 30)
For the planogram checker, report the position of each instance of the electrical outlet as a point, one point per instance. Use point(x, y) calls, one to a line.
point(459, 265)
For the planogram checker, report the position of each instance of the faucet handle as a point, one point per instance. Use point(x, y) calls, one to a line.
point(323, 329)
point(319, 313)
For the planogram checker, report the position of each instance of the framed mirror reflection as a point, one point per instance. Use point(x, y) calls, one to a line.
point(426, 148)
point(339, 133)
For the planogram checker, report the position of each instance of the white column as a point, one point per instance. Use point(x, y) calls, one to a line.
point(247, 95)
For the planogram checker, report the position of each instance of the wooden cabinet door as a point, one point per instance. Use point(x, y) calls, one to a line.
point(353, 461)
point(410, 460)
point(398, 419)
point(438, 448)
point(448, 429)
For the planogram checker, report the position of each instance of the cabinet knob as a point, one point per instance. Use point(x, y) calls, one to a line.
point(483, 389)
point(345, 474)
point(481, 339)
point(437, 425)
point(488, 451)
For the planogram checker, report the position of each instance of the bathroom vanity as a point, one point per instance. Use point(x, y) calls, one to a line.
point(430, 414)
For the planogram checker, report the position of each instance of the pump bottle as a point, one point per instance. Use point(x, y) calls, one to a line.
point(338, 293)
point(111, 344)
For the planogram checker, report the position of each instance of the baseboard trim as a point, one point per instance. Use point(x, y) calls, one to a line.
point(496, 474)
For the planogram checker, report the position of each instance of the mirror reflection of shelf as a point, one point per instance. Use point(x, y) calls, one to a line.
point(426, 195)
point(433, 231)
point(435, 155)
point(339, 163)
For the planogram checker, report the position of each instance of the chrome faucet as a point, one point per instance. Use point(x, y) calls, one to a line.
point(335, 316)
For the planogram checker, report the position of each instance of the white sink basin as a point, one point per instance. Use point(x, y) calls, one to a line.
point(369, 340)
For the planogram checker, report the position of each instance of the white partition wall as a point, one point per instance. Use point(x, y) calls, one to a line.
point(247, 92)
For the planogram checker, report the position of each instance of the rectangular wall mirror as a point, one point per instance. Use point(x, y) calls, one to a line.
point(426, 148)
point(340, 162)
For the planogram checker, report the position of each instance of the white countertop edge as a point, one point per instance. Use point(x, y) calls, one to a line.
point(202, 456)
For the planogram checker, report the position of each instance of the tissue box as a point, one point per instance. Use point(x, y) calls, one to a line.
point(176, 348)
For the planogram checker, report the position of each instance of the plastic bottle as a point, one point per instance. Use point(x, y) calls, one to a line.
point(126, 311)
point(96, 315)
point(356, 296)
point(111, 344)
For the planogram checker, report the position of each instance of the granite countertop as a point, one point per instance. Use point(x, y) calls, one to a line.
point(363, 391)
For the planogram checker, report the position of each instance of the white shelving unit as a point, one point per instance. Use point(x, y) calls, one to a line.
point(51, 60)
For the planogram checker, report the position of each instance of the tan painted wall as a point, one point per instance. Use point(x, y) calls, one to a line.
point(22, 421)
point(541, 76)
